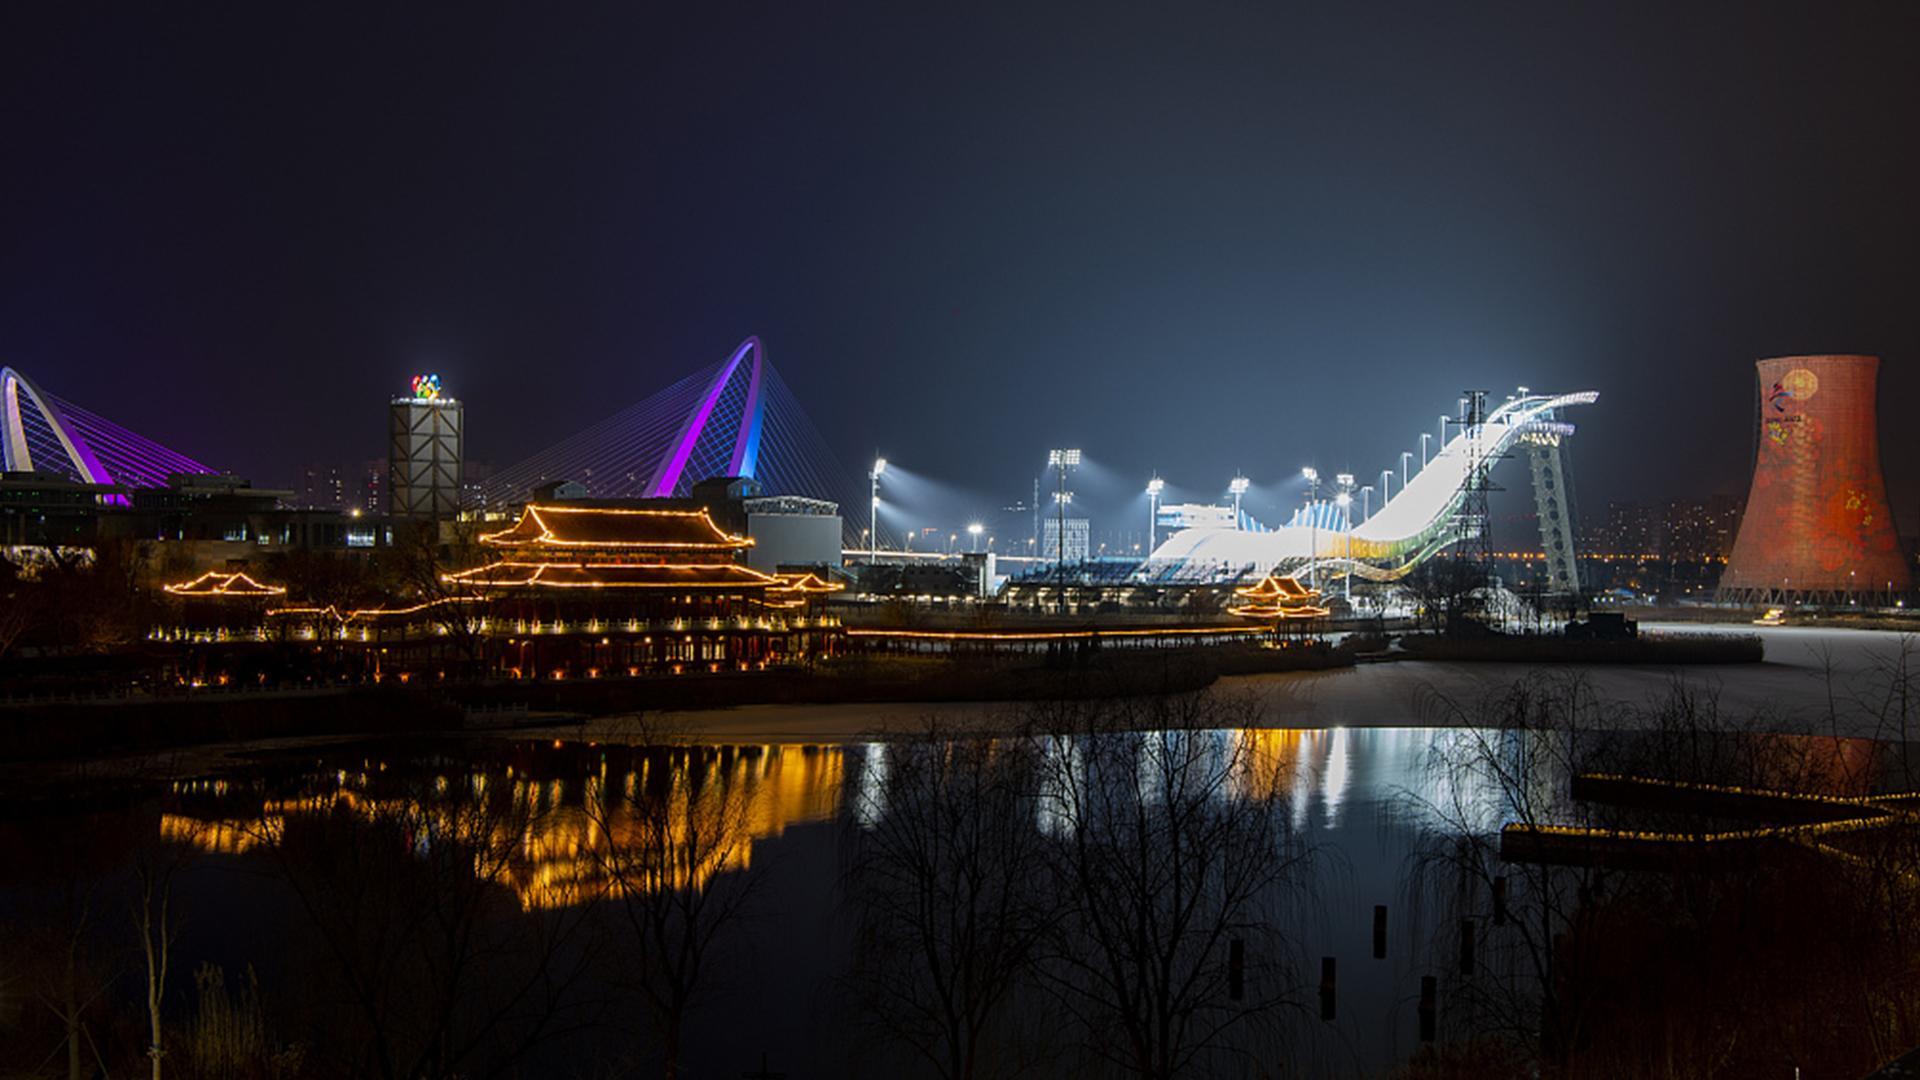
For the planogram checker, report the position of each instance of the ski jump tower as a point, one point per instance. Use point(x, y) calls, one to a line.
point(1817, 528)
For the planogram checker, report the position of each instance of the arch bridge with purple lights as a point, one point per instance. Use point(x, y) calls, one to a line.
point(43, 433)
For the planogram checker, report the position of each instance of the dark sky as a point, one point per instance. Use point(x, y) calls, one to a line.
point(1190, 238)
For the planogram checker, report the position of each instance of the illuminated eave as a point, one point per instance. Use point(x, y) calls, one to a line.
point(485, 577)
point(515, 536)
point(215, 584)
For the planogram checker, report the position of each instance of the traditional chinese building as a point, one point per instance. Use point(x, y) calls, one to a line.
point(1291, 607)
point(218, 606)
point(581, 590)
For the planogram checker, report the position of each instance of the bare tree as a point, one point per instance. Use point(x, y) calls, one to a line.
point(673, 847)
point(424, 962)
point(945, 860)
point(1171, 860)
point(417, 568)
point(20, 605)
point(1447, 590)
point(158, 929)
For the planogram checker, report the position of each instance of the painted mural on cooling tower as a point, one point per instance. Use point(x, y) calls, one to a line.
point(1817, 517)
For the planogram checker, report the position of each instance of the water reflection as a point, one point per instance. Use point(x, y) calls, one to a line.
point(564, 806)
point(547, 829)
point(565, 833)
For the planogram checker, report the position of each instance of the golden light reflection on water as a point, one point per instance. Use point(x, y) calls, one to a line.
point(559, 842)
point(622, 821)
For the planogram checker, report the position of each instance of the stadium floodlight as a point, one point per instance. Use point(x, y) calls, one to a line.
point(1345, 480)
point(873, 509)
point(1313, 523)
point(1060, 461)
point(1154, 487)
point(974, 529)
point(1344, 500)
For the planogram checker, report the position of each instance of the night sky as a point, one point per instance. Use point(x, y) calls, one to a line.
point(1190, 238)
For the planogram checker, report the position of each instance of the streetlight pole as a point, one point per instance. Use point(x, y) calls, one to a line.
point(1442, 443)
point(1366, 503)
point(1062, 460)
point(1313, 524)
point(1405, 456)
point(1386, 487)
point(1154, 487)
point(1423, 449)
point(873, 509)
point(1344, 500)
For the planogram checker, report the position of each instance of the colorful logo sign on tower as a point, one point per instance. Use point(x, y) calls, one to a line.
point(426, 387)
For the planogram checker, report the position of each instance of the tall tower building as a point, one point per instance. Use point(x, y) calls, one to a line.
point(426, 436)
point(1817, 528)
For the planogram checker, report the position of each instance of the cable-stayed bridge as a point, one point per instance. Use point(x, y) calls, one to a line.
point(735, 417)
point(41, 432)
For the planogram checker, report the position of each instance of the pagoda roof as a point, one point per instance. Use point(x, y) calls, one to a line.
point(1278, 587)
point(805, 581)
point(1277, 596)
point(557, 575)
point(551, 526)
point(216, 584)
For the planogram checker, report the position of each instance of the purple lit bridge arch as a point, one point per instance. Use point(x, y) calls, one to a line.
point(746, 442)
point(736, 417)
point(41, 432)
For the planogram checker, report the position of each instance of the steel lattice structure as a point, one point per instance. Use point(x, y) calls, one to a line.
point(39, 431)
point(736, 417)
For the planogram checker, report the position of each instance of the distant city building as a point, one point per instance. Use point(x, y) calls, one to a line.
point(346, 487)
point(1817, 529)
point(1677, 530)
point(426, 432)
point(323, 487)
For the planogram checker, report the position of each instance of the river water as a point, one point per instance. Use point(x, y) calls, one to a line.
point(268, 873)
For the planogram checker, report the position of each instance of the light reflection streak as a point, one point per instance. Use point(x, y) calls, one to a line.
point(559, 840)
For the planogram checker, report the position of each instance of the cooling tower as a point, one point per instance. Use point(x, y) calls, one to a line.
point(1817, 529)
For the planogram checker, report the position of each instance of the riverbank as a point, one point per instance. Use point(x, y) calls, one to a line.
point(1805, 672)
point(80, 730)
